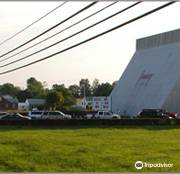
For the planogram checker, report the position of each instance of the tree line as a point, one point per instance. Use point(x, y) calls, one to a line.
point(58, 96)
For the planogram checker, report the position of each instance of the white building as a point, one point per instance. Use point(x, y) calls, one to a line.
point(96, 103)
point(34, 103)
point(101, 103)
point(31, 103)
point(152, 78)
point(22, 106)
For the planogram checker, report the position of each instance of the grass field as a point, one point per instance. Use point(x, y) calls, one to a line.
point(88, 149)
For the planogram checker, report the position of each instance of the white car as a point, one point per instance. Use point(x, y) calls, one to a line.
point(51, 115)
point(2, 114)
point(106, 115)
point(15, 116)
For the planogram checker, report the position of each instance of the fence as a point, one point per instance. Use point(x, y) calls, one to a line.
point(92, 122)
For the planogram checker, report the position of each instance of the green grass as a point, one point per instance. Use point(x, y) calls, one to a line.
point(103, 149)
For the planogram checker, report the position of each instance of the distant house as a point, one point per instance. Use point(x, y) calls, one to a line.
point(22, 106)
point(8, 102)
point(86, 102)
point(34, 103)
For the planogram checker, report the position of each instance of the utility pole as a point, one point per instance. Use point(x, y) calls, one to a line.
point(84, 91)
point(84, 96)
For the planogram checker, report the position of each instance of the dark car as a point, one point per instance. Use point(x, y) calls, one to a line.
point(15, 116)
point(154, 113)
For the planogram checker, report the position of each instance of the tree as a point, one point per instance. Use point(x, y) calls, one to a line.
point(103, 89)
point(35, 87)
point(9, 89)
point(85, 87)
point(54, 99)
point(58, 87)
point(74, 90)
point(95, 85)
point(22, 95)
point(68, 97)
point(114, 83)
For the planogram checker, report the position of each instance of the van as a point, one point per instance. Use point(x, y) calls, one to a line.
point(35, 114)
point(51, 115)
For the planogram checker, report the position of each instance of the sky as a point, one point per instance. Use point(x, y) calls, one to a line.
point(104, 58)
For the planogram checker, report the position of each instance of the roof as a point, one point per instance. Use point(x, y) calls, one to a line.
point(10, 99)
point(158, 40)
point(35, 101)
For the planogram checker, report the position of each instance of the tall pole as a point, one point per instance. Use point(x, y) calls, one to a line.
point(84, 92)
point(84, 96)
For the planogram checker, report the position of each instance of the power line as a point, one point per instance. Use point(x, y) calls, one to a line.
point(46, 31)
point(91, 38)
point(17, 60)
point(59, 32)
point(33, 23)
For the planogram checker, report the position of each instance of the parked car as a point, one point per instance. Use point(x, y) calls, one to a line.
point(14, 116)
point(35, 114)
point(2, 114)
point(89, 116)
point(52, 115)
point(154, 113)
point(172, 114)
point(103, 115)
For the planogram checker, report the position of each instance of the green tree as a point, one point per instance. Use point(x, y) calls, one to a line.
point(9, 89)
point(35, 87)
point(22, 95)
point(54, 99)
point(85, 87)
point(68, 97)
point(74, 90)
point(58, 87)
point(95, 85)
point(114, 83)
point(103, 89)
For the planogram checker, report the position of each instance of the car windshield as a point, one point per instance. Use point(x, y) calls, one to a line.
point(107, 113)
point(62, 113)
point(36, 113)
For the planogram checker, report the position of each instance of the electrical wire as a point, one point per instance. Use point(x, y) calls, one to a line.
point(46, 31)
point(7, 58)
point(33, 23)
point(91, 38)
point(103, 20)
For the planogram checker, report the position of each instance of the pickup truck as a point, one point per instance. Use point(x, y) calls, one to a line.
point(103, 115)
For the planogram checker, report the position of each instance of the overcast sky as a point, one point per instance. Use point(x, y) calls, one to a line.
point(104, 58)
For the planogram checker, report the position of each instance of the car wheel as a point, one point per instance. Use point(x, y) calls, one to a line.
point(114, 118)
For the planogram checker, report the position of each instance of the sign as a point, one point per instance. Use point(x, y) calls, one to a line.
point(102, 103)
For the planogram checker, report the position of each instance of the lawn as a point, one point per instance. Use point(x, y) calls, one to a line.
point(88, 149)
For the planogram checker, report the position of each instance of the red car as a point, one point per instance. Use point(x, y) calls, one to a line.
point(172, 114)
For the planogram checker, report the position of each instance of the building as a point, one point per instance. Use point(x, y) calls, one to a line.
point(152, 78)
point(101, 103)
point(86, 103)
point(22, 106)
point(96, 103)
point(34, 103)
point(8, 102)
